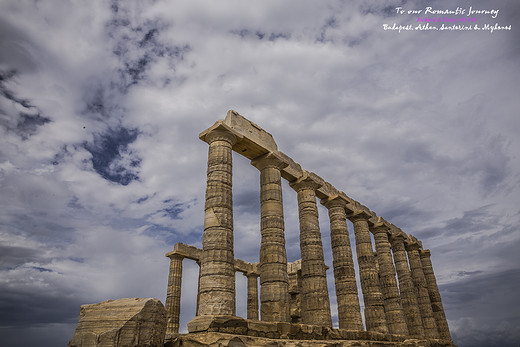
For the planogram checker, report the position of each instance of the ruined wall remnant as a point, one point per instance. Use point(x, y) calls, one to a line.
point(121, 323)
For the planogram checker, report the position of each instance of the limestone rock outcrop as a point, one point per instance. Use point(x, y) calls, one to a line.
point(125, 322)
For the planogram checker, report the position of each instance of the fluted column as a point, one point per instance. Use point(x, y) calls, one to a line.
point(274, 281)
point(435, 296)
point(349, 312)
point(407, 287)
point(252, 296)
point(217, 273)
point(376, 262)
point(315, 299)
point(388, 283)
point(173, 294)
point(374, 307)
point(423, 296)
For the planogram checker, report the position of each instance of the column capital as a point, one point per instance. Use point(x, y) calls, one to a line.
point(398, 235)
point(221, 135)
point(305, 182)
point(251, 274)
point(174, 255)
point(411, 246)
point(334, 201)
point(425, 253)
point(358, 215)
point(380, 226)
point(220, 131)
point(270, 159)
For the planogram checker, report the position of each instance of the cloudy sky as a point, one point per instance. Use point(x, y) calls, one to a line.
point(102, 171)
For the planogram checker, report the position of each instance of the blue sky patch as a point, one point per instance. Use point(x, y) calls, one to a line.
point(107, 153)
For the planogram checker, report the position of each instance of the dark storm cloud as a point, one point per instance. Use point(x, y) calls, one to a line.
point(41, 227)
point(96, 101)
point(162, 233)
point(258, 34)
point(173, 210)
point(489, 296)
point(247, 201)
point(137, 45)
point(16, 49)
point(382, 9)
point(331, 22)
point(28, 124)
point(28, 308)
point(13, 256)
point(143, 199)
point(24, 123)
point(405, 214)
point(473, 221)
point(494, 168)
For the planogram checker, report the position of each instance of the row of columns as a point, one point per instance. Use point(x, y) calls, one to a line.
point(346, 289)
point(406, 310)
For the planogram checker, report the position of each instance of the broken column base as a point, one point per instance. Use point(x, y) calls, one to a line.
point(236, 331)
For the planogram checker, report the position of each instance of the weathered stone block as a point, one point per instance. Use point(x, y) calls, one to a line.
point(123, 322)
point(262, 329)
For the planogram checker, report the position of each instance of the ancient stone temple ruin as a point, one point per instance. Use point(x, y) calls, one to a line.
point(402, 302)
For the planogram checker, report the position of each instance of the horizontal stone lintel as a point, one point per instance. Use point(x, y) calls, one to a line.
point(194, 253)
point(253, 142)
point(186, 251)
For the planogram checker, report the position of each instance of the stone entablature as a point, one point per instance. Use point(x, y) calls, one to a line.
point(261, 143)
point(297, 292)
point(193, 253)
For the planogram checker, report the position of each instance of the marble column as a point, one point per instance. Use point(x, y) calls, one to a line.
point(349, 312)
point(252, 296)
point(217, 273)
point(423, 296)
point(388, 283)
point(435, 296)
point(315, 298)
point(408, 292)
point(173, 295)
point(374, 306)
point(274, 281)
point(376, 262)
